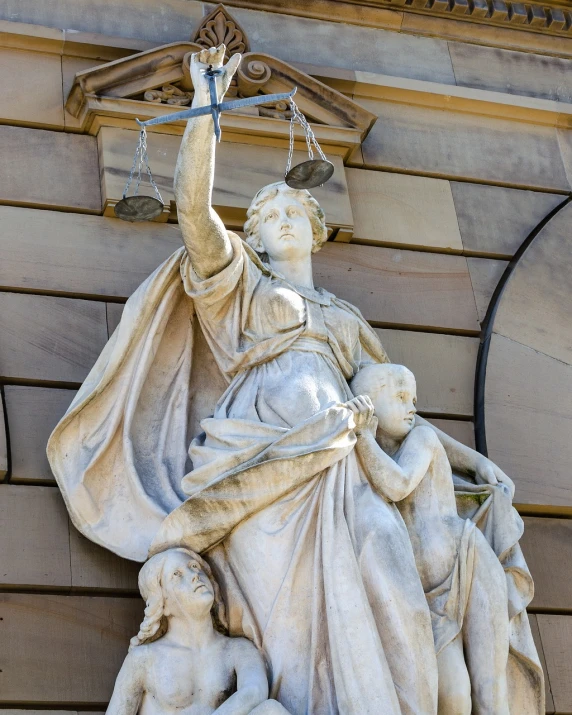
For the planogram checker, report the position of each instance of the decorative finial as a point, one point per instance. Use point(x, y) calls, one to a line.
point(219, 27)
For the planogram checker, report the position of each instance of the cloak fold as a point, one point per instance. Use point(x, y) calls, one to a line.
point(120, 451)
point(490, 508)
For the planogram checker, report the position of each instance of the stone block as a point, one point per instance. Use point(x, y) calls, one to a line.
point(409, 211)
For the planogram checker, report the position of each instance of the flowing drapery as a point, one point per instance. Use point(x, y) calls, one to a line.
point(312, 540)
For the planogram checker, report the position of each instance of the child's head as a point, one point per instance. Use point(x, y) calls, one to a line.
point(392, 390)
point(177, 582)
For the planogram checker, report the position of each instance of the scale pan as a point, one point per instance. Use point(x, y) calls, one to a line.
point(138, 208)
point(309, 174)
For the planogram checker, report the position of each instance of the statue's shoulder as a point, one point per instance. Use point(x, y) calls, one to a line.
point(243, 649)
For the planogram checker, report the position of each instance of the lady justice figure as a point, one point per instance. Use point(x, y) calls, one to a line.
point(314, 567)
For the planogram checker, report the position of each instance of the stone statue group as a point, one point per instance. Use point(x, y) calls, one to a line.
point(319, 548)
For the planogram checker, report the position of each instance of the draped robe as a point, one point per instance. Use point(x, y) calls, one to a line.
point(314, 566)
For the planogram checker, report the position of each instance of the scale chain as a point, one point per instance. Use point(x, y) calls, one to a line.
point(141, 160)
point(297, 116)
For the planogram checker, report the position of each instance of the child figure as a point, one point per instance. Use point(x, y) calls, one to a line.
point(463, 579)
point(178, 662)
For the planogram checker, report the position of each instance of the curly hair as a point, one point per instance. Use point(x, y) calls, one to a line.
point(266, 194)
point(154, 624)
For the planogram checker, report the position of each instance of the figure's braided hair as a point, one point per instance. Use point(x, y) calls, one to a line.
point(154, 624)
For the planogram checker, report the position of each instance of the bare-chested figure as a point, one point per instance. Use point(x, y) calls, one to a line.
point(179, 662)
point(462, 578)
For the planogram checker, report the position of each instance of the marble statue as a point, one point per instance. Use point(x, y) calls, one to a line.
point(315, 567)
point(164, 671)
point(462, 578)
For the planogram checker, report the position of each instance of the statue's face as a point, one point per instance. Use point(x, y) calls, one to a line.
point(186, 587)
point(395, 405)
point(285, 229)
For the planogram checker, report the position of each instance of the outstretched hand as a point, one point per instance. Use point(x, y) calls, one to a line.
point(200, 63)
point(487, 472)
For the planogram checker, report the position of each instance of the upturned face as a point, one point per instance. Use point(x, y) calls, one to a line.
point(285, 229)
point(395, 405)
point(186, 587)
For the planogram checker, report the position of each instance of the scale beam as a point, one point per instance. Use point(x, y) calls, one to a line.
point(215, 108)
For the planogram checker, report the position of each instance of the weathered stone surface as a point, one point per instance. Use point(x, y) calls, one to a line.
point(537, 302)
point(87, 637)
point(41, 549)
point(48, 338)
point(75, 253)
point(547, 545)
point(538, 642)
point(33, 412)
point(485, 275)
point(443, 365)
point(520, 73)
point(529, 422)
point(138, 19)
point(70, 67)
point(31, 88)
point(49, 169)
point(34, 548)
point(297, 39)
point(430, 141)
point(461, 430)
point(404, 210)
point(93, 567)
point(556, 636)
point(494, 220)
point(409, 288)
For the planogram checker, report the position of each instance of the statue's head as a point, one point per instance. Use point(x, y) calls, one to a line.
point(285, 223)
point(177, 582)
point(393, 391)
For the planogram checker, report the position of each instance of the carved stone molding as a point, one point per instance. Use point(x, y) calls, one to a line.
point(521, 16)
point(552, 17)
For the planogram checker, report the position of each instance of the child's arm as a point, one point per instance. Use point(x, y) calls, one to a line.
point(251, 680)
point(465, 459)
point(396, 480)
point(128, 689)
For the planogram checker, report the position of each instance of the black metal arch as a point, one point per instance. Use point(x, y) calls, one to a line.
point(487, 329)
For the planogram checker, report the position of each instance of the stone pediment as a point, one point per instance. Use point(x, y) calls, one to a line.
point(107, 99)
point(158, 82)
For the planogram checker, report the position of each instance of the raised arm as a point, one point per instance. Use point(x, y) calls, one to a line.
point(128, 689)
point(203, 231)
point(396, 480)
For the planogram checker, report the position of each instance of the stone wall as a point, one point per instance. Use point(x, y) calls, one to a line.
point(471, 150)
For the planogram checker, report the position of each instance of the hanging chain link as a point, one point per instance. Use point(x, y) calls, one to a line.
point(140, 163)
point(297, 116)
